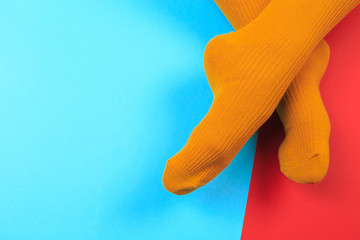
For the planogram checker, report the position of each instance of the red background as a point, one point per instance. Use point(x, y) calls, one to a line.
point(280, 209)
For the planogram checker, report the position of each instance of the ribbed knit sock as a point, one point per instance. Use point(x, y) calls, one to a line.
point(304, 154)
point(249, 71)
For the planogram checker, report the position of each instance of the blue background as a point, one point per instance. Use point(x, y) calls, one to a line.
point(95, 96)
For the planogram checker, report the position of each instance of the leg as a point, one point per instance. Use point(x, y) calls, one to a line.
point(249, 71)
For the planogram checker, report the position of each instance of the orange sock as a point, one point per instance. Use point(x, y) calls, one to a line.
point(304, 154)
point(249, 71)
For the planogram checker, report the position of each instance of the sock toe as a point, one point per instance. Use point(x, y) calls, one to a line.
point(310, 170)
point(178, 182)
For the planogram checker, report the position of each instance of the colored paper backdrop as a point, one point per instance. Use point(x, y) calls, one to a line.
point(280, 209)
point(95, 96)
